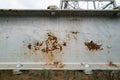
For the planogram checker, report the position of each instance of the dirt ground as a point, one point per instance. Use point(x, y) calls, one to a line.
point(59, 75)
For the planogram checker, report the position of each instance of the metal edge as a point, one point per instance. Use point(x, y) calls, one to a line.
point(58, 13)
point(43, 66)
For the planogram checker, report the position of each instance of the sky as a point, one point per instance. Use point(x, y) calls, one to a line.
point(27, 4)
point(30, 4)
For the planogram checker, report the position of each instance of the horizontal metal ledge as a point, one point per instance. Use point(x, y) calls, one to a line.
point(42, 66)
point(57, 13)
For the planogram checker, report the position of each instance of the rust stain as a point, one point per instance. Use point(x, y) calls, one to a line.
point(74, 32)
point(36, 46)
point(51, 48)
point(93, 46)
point(30, 46)
point(64, 43)
point(56, 64)
point(51, 44)
point(111, 64)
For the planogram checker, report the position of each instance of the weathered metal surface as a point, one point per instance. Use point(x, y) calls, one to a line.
point(60, 43)
point(57, 13)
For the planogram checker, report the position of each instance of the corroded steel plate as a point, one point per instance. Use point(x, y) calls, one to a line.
point(75, 43)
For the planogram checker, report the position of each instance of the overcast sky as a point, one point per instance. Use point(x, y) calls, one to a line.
point(30, 4)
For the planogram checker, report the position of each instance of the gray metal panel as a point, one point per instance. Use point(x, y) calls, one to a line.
point(60, 43)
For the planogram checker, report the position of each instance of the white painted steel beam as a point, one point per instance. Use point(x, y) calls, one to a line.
point(61, 42)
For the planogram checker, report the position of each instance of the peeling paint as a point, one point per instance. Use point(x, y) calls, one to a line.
point(51, 48)
point(51, 44)
point(92, 46)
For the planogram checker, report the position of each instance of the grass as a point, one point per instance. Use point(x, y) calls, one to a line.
point(59, 75)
